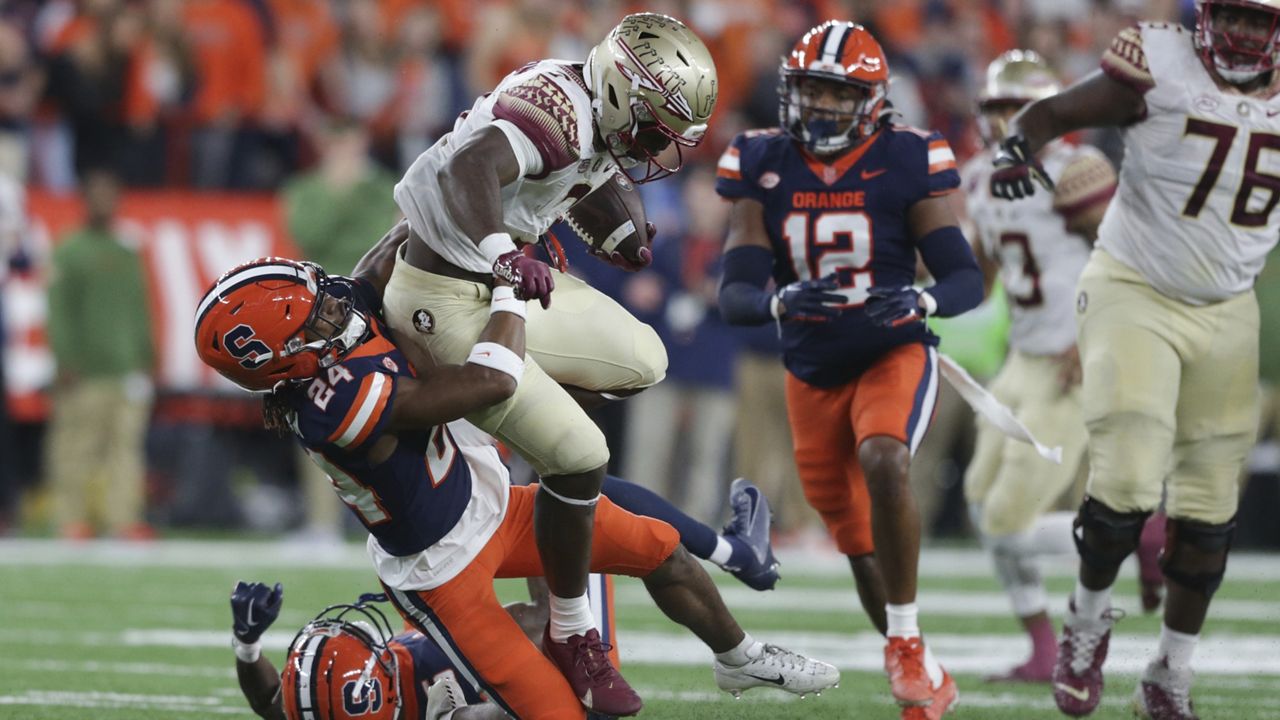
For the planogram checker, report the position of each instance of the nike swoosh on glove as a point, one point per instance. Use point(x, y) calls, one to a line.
point(1016, 168)
point(254, 607)
point(530, 277)
point(891, 307)
point(810, 300)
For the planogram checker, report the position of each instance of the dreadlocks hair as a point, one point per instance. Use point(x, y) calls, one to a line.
point(277, 409)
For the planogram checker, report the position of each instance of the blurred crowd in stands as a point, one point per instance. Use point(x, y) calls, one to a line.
point(324, 102)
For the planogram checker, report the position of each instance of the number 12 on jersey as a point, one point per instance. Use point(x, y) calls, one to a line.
point(832, 242)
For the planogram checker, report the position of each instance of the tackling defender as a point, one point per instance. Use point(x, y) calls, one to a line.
point(834, 206)
point(548, 135)
point(442, 516)
point(413, 676)
point(1168, 322)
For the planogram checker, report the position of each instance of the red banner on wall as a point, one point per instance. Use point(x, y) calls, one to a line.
point(186, 242)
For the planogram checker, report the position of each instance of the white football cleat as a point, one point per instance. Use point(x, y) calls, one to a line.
point(444, 697)
point(779, 668)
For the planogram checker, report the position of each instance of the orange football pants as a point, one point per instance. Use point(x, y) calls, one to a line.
point(485, 644)
point(896, 397)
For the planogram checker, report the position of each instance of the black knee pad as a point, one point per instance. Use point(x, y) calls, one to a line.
point(1105, 537)
point(1195, 553)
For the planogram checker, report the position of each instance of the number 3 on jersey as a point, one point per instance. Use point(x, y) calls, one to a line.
point(832, 242)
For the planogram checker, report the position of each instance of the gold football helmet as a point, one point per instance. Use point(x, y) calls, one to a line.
point(1014, 79)
point(653, 84)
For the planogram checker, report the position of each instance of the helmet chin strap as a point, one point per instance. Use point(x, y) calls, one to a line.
point(1238, 77)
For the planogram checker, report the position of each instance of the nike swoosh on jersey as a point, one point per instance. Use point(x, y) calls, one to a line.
point(1081, 694)
point(867, 175)
point(775, 680)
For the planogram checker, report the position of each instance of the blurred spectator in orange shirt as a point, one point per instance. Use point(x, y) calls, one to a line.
point(423, 104)
point(362, 83)
point(229, 47)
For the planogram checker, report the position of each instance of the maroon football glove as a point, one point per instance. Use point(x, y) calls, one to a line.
point(1016, 168)
point(530, 277)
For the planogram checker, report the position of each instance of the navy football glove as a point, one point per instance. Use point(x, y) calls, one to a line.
point(809, 301)
point(254, 607)
point(890, 307)
point(1016, 167)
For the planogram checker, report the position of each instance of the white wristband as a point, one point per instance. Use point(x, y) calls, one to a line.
point(930, 305)
point(498, 357)
point(496, 245)
point(246, 652)
point(504, 300)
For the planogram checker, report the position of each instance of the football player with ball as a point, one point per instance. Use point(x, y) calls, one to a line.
point(547, 136)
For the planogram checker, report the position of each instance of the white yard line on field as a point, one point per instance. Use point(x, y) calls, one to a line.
point(934, 562)
point(1231, 654)
point(124, 701)
point(116, 668)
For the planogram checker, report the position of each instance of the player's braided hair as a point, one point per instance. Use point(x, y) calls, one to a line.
point(277, 408)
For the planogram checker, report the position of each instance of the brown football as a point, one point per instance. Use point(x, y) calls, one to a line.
point(611, 219)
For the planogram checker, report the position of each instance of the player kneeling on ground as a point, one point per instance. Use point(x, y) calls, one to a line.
point(443, 518)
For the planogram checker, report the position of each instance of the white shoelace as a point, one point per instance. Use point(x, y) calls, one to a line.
point(1084, 642)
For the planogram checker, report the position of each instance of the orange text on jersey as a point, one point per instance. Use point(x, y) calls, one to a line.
point(826, 200)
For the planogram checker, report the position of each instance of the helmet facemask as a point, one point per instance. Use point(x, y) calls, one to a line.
point(335, 326)
point(829, 114)
point(1239, 38)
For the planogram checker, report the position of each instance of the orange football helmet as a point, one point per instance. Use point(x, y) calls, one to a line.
point(1242, 50)
point(251, 325)
point(340, 668)
point(838, 52)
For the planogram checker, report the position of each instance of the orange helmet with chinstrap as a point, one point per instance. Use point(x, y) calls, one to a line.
point(838, 52)
point(340, 668)
point(251, 324)
point(1245, 51)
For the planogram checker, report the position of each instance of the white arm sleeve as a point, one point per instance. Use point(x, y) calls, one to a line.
point(527, 155)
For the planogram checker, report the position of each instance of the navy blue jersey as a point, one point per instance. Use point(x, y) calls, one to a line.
point(427, 661)
point(412, 498)
point(848, 218)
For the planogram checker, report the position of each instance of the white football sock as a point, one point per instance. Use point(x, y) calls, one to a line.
point(1051, 534)
point(722, 553)
point(570, 616)
point(1090, 604)
point(903, 620)
point(1177, 647)
point(745, 651)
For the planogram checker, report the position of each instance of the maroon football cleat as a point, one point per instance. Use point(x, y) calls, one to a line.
point(1164, 694)
point(1077, 676)
point(584, 662)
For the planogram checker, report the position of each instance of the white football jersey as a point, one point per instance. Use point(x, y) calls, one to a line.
point(1039, 259)
point(1201, 175)
point(545, 110)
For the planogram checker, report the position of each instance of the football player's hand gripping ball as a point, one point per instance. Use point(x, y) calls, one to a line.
point(254, 607)
point(1016, 167)
point(809, 301)
point(530, 277)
